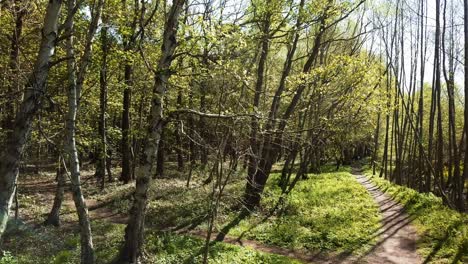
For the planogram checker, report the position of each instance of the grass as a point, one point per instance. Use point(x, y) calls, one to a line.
point(171, 204)
point(443, 232)
point(187, 249)
point(326, 212)
point(54, 246)
point(329, 212)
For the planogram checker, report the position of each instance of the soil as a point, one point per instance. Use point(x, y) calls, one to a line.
point(397, 241)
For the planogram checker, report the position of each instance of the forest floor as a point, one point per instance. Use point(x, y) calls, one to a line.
point(332, 217)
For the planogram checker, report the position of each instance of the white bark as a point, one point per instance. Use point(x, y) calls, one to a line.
point(75, 82)
point(131, 250)
point(16, 140)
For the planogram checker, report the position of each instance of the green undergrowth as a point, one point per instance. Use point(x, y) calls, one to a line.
point(54, 246)
point(186, 249)
point(171, 206)
point(327, 212)
point(443, 231)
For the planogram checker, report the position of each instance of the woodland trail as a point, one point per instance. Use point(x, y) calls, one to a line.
point(396, 243)
point(397, 237)
point(96, 210)
point(302, 256)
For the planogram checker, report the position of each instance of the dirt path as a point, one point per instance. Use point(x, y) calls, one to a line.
point(396, 242)
point(397, 237)
point(302, 256)
point(96, 210)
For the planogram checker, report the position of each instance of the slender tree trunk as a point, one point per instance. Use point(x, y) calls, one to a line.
point(270, 152)
point(53, 218)
point(422, 170)
point(178, 131)
point(376, 145)
point(13, 147)
point(14, 84)
point(254, 126)
point(160, 157)
point(437, 73)
point(126, 175)
point(75, 84)
point(461, 201)
point(134, 232)
point(102, 149)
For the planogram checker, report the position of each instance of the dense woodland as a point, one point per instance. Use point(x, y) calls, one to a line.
point(110, 98)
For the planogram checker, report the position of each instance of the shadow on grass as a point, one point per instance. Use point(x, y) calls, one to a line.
point(225, 230)
point(462, 249)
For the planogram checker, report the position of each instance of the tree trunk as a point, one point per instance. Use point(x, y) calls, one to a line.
point(33, 95)
point(178, 132)
point(461, 201)
point(75, 83)
point(53, 217)
point(14, 84)
point(126, 175)
point(376, 145)
point(160, 158)
point(254, 126)
point(272, 142)
point(102, 149)
point(134, 232)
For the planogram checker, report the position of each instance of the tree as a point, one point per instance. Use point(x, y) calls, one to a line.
point(134, 232)
point(33, 96)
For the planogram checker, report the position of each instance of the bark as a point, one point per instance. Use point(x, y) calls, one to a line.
point(126, 175)
point(422, 170)
point(465, 161)
point(376, 145)
point(33, 95)
point(160, 158)
point(129, 44)
point(178, 132)
point(53, 217)
point(75, 84)
point(454, 180)
point(272, 143)
point(14, 85)
point(254, 126)
point(440, 142)
point(102, 148)
point(134, 232)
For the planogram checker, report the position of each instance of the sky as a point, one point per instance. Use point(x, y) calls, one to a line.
point(410, 10)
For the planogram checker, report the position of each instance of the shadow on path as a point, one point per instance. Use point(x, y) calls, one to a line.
point(396, 237)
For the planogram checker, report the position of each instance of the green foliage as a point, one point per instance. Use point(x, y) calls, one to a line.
point(443, 232)
point(328, 211)
point(7, 258)
point(182, 249)
point(63, 257)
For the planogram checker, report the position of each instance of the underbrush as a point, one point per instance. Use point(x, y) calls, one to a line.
point(53, 246)
point(443, 232)
point(326, 212)
point(186, 249)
